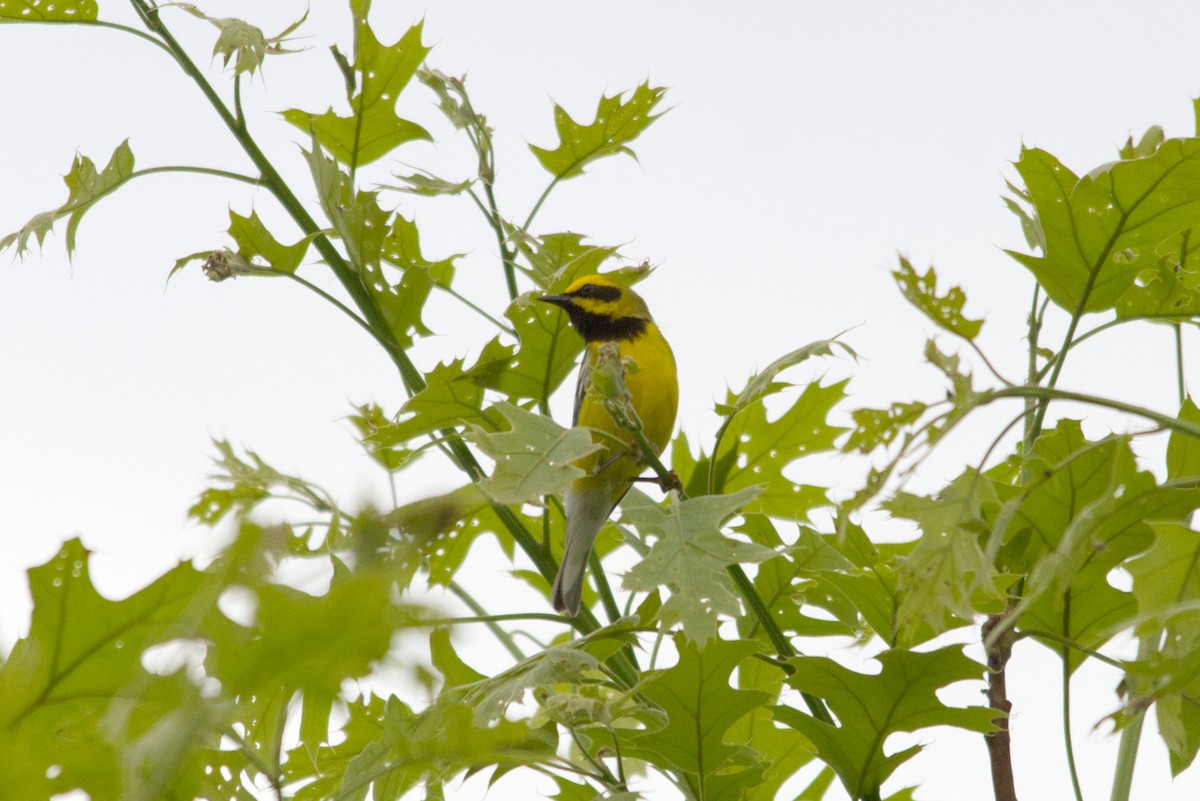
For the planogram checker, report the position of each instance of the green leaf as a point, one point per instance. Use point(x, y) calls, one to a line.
point(454, 671)
point(373, 129)
point(242, 40)
point(900, 698)
point(254, 241)
point(353, 622)
point(945, 310)
point(763, 383)
point(1104, 229)
point(81, 654)
point(568, 682)
point(702, 708)
point(1170, 289)
point(368, 422)
point(430, 185)
point(49, 10)
point(356, 216)
point(438, 744)
point(874, 428)
point(534, 457)
point(403, 303)
point(1085, 511)
point(1151, 140)
point(1183, 451)
point(948, 578)
point(617, 124)
point(548, 349)
point(363, 727)
point(753, 451)
point(692, 556)
point(1166, 583)
point(450, 398)
point(249, 483)
point(86, 186)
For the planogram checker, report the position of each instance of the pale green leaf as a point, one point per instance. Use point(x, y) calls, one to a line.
point(691, 556)
point(86, 186)
point(944, 310)
point(534, 457)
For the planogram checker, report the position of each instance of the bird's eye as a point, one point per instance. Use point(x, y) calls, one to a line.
point(587, 290)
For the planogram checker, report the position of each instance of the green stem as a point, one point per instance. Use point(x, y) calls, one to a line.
point(1179, 362)
point(95, 23)
point(1131, 737)
point(491, 621)
point(1066, 700)
point(537, 206)
point(1047, 394)
point(233, 176)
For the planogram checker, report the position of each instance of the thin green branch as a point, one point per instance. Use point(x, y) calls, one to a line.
point(481, 616)
point(1068, 643)
point(1068, 742)
point(481, 312)
point(1179, 363)
point(96, 23)
point(1047, 394)
point(537, 206)
point(233, 176)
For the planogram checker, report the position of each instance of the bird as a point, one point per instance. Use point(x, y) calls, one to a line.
point(603, 310)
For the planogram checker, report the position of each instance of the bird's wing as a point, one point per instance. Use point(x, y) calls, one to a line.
point(581, 386)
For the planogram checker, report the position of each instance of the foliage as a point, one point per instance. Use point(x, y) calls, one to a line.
point(225, 680)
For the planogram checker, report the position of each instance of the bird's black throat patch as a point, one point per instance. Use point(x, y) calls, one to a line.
point(601, 328)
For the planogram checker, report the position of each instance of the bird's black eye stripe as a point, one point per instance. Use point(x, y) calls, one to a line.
point(598, 292)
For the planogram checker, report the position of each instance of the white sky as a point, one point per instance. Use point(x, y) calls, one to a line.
point(807, 144)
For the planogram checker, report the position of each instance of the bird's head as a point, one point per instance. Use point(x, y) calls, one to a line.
point(602, 309)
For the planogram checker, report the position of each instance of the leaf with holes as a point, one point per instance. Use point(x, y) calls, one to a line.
point(618, 122)
point(535, 457)
point(82, 653)
point(691, 556)
point(1167, 291)
point(1104, 229)
point(356, 217)
point(753, 451)
point(702, 707)
point(874, 428)
point(373, 129)
point(944, 310)
point(555, 260)
point(869, 708)
point(86, 186)
point(49, 10)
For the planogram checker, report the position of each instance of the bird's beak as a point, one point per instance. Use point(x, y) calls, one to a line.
point(558, 300)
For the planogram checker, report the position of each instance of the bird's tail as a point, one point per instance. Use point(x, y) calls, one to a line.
point(587, 509)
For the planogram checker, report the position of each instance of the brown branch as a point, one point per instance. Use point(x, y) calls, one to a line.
point(999, 743)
